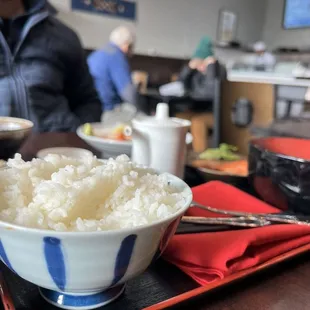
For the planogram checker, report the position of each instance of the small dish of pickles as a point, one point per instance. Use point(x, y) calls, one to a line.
point(222, 163)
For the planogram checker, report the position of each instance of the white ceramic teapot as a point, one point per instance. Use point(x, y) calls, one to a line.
point(159, 142)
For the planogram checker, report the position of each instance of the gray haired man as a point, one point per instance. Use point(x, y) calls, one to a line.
point(110, 69)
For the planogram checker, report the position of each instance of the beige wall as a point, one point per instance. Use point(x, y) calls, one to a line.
point(168, 27)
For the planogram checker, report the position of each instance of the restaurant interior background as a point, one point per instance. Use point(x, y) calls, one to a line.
point(167, 32)
point(173, 28)
point(243, 182)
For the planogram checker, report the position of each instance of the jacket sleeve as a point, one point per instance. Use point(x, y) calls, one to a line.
point(204, 86)
point(79, 88)
point(203, 89)
point(121, 77)
point(186, 75)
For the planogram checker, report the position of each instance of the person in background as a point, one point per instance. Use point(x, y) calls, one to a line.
point(193, 80)
point(111, 72)
point(198, 78)
point(43, 71)
point(261, 60)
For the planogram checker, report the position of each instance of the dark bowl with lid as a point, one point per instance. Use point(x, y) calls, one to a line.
point(13, 132)
point(279, 170)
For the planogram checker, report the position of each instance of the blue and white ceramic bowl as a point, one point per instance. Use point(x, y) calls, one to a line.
point(77, 270)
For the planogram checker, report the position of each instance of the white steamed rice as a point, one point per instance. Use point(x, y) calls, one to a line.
point(66, 194)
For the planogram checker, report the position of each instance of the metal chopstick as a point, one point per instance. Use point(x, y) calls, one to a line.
point(272, 217)
point(232, 221)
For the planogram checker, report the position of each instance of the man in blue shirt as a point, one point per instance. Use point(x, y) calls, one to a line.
point(111, 72)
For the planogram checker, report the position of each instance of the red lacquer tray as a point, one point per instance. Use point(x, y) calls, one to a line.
point(228, 280)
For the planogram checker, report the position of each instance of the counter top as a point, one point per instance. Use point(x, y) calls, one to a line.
point(266, 78)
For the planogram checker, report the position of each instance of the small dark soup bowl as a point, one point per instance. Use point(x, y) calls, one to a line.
point(13, 132)
point(279, 170)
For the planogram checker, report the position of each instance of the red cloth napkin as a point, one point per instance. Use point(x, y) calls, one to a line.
point(207, 257)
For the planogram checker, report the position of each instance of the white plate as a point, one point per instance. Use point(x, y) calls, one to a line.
point(109, 147)
point(66, 151)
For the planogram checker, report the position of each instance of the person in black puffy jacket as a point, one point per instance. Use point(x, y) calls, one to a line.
point(198, 76)
point(201, 78)
point(44, 76)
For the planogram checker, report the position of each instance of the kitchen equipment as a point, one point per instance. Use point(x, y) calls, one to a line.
point(159, 142)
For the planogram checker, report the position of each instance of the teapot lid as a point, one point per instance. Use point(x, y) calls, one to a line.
point(162, 118)
point(162, 111)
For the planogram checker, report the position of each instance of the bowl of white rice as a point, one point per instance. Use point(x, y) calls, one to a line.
point(81, 228)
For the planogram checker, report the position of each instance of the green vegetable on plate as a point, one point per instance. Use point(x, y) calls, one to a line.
point(224, 152)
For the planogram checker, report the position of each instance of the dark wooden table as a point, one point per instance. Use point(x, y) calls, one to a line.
point(283, 287)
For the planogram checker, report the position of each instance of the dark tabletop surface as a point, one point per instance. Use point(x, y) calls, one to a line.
point(283, 287)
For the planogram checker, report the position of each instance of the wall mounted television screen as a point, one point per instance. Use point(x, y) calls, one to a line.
point(296, 14)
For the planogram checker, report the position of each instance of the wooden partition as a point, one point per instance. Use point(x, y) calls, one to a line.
point(262, 98)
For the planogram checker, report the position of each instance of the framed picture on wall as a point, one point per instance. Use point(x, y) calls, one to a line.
point(227, 26)
point(114, 8)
